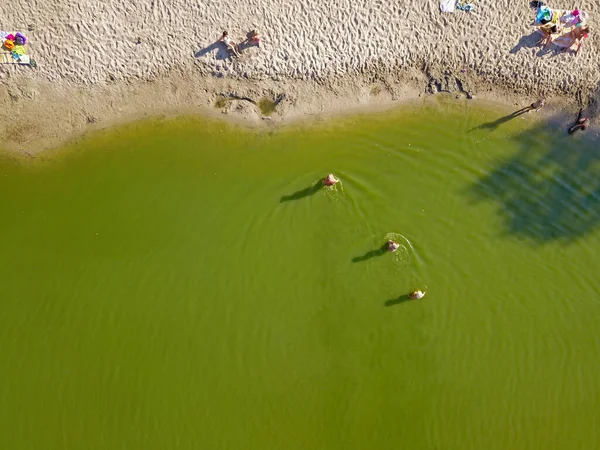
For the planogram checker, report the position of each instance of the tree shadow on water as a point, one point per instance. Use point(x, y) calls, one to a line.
point(306, 192)
point(550, 189)
point(372, 254)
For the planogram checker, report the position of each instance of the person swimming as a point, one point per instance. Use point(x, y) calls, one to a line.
point(392, 246)
point(416, 295)
point(330, 180)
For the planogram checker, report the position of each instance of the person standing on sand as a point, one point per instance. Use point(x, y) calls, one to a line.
point(229, 43)
point(539, 104)
point(579, 34)
point(536, 106)
point(573, 37)
point(330, 180)
point(581, 124)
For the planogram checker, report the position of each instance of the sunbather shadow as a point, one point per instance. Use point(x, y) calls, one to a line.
point(496, 123)
point(221, 51)
point(553, 50)
point(311, 190)
point(397, 301)
point(371, 254)
point(529, 41)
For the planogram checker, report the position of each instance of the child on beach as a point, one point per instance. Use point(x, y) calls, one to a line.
point(254, 38)
point(229, 43)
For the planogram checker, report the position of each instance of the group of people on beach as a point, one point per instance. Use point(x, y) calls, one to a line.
point(563, 28)
point(392, 246)
point(566, 29)
point(253, 38)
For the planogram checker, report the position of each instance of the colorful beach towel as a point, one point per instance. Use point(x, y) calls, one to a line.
point(18, 54)
point(467, 8)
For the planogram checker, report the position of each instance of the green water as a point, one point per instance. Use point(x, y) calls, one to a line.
point(178, 285)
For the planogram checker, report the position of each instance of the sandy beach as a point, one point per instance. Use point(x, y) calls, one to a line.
point(99, 63)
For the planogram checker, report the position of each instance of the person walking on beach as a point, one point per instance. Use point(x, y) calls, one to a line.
point(330, 180)
point(230, 44)
point(535, 106)
point(581, 124)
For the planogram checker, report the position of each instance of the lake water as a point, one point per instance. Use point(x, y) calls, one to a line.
point(178, 284)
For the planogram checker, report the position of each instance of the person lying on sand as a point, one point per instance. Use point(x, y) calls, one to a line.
point(581, 124)
point(330, 180)
point(416, 295)
point(392, 246)
point(229, 43)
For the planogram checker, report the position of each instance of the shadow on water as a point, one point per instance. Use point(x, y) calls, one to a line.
point(496, 123)
point(550, 189)
point(372, 254)
point(397, 301)
point(311, 190)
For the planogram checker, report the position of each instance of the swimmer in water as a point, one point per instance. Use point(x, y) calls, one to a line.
point(392, 246)
point(330, 180)
point(416, 295)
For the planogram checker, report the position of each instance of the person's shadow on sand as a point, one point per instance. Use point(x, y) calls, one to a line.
point(311, 190)
point(554, 50)
point(397, 301)
point(371, 254)
point(529, 41)
point(222, 52)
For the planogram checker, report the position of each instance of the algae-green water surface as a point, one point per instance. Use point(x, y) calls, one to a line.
point(179, 284)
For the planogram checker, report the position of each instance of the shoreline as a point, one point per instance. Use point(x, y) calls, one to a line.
point(97, 108)
point(101, 64)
